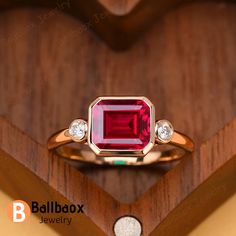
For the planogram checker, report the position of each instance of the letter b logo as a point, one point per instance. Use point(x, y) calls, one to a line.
point(18, 211)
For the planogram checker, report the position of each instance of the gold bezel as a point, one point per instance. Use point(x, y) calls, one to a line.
point(118, 153)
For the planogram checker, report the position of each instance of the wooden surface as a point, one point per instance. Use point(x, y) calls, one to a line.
point(201, 203)
point(118, 23)
point(185, 65)
point(20, 183)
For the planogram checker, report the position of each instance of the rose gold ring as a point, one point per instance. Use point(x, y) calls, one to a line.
point(121, 131)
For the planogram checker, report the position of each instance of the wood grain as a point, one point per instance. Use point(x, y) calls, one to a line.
point(202, 202)
point(23, 184)
point(164, 197)
point(51, 72)
point(118, 23)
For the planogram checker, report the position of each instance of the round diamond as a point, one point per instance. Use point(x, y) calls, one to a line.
point(78, 129)
point(164, 130)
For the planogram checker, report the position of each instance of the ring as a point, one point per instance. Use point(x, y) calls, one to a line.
point(121, 131)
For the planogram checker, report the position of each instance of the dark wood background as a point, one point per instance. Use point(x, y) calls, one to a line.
point(52, 67)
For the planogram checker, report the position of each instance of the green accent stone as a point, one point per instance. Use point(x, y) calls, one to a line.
point(119, 163)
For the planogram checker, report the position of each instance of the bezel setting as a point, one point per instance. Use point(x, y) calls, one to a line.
point(164, 131)
point(78, 130)
point(122, 152)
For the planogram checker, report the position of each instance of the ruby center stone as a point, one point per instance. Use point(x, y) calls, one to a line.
point(120, 124)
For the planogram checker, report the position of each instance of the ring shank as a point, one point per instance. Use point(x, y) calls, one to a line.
point(182, 145)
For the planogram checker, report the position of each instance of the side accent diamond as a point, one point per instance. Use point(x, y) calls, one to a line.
point(78, 129)
point(164, 130)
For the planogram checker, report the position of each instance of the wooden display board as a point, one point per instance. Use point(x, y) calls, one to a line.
point(53, 66)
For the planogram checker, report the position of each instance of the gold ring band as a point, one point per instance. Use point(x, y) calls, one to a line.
point(58, 143)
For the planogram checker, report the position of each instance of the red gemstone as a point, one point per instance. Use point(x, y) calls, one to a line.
point(120, 124)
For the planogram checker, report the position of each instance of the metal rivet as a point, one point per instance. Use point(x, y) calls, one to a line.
point(127, 226)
